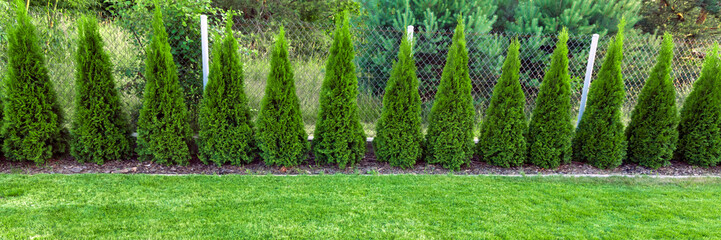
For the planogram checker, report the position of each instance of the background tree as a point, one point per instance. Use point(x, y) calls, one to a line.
point(339, 136)
point(100, 130)
point(398, 131)
point(502, 142)
point(32, 126)
point(699, 129)
point(599, 139)
point(226, 131)
point(281, 132)
point(163, 129)
point(449, 140)
point(652, 132)
point(551, 128)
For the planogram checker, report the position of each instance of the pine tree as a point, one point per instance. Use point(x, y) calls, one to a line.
point(398, 131)
point(551, 128)
point(599, 139)
point(226, 131)
point(502, 142)
point(449, 140)
point(339, 137)
point(163, 129)
point(281, 132)
point(33, 119)
point(100, 130)
point(652, 132)
point(699, 129)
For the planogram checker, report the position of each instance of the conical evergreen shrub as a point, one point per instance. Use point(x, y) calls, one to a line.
point(339, 137)
point(502, 142)
point(226, 131)
point(653, 130)
point(449, 140)
point(600, 139)
point(100, 130)
point(398, 131)
point(163, 129)
point(32, 125)
point(281, 132)
point(551, 128)
point(700, 126)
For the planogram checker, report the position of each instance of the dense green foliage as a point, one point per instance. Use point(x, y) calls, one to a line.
point(100, 130)
point(449, 140)
point(226, 131)
point(551, 129)
point(652, 132)
point(600, 139)
point(398, 131)
point(163, 130)
point(281, 132)
point(32, 121)
point(699, 129)
point(502, 142)
point(339, 137)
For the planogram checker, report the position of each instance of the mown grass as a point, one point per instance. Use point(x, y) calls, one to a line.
point(357, 207)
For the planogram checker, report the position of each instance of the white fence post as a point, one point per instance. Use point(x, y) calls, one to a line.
point(409, 30)
point(587, 79)
point(204, 46)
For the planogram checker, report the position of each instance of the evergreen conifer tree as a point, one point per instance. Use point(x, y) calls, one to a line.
point(32, 125)
point(449, 140)
point(100, 130)
point(398, 131)
point(551, 128)
point(600, 139)
point(502, 142)
point(339, 136)
point(700, 126)
point(653, 130)
point(163, 129)
point(281, 132)
point(226, 131)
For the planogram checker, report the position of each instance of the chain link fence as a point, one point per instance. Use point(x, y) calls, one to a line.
point(376, 50)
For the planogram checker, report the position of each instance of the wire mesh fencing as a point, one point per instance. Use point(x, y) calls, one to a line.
point(376, 50)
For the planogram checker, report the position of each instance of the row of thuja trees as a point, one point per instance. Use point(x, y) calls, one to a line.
point(32, 127)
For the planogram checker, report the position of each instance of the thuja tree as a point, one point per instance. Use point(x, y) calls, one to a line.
point(551, 128)
point(398, 131)
point(281, 132)
point(33, 119)
point(700, 126)
point(163, 129)
point(599, 139)
point(449, 140)
point(652, 132)
point(100, 130)
point(339, 137)
point(502, 142)
point(226, 131)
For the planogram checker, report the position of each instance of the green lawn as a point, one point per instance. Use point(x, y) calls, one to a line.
point(357, 207)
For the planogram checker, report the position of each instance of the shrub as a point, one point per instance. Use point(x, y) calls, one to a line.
point(339, 136)
point(226, 131)
point(599, 139)
point(551, 127)
point(163, 130)
point(33, 119)
point(449, 140)
point(699, 129)
point(100, 130)
point(281, 133)
point(652, 132)
point(398, 131)
point(502, 142)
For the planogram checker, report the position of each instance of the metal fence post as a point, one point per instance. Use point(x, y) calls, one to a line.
point(204, 47)
point(587, 79)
